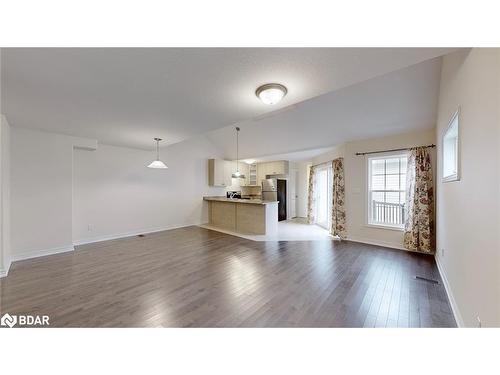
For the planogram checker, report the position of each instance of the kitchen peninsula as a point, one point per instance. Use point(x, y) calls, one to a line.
point(246, 216)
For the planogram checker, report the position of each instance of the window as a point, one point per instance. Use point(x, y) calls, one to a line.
point(387, 191)
point(450, 151)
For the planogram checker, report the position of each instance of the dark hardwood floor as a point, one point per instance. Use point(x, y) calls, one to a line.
point(194, 277)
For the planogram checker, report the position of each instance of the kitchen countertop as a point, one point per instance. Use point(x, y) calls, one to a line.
point(237, 200)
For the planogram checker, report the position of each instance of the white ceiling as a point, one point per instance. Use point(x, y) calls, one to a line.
point(128, 96)
point(305, 155)
point(398, 102)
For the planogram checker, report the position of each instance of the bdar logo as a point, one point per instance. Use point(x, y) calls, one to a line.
point(8, 320)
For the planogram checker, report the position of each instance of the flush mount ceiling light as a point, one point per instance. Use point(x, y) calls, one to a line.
point(157, 164)
point(271, 93)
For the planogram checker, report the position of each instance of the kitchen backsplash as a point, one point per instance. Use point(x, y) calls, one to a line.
point(245, 190)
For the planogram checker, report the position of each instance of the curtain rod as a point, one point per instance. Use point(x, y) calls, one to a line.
point(323, 163)
point(396, 149)
point(326, 162)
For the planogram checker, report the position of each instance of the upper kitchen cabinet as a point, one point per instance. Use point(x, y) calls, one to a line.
point(219, 172)
point(261, 172)
point(252, 177)
point(271, 168)
point(245, 170)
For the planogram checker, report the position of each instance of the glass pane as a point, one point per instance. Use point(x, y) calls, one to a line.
point(389, 174)
point(376, 206)
point(322, 192)
point(392, 166)
point(378, 166)
point(403, 182)
point(402, 197)
point(404, 164)
point(378, 182)
point(450, 150)
point(392, 182)
point(392, 197)
point(378, 196)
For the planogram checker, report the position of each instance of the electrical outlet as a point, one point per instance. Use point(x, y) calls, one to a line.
point(89, 228)
point(478, 321)
point(442, 252)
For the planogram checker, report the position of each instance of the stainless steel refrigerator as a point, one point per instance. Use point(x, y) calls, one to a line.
point(274, 189)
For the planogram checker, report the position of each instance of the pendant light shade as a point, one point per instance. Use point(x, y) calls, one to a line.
point(237, 174)
point(157, 164)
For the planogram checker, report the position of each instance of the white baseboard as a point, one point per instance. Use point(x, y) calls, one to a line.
point(447, 287)
point(85, 241)
point(4, 272)
point(391, 245)
point(63, 249)
point(41, 253)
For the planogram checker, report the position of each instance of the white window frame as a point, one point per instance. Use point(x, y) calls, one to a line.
point(368, 175)
point(455, 176)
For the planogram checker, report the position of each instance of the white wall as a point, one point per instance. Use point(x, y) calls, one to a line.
point(5, 194)
point(302, 188)
point(117, 195)
point(5, 258)
point(468, 223)
point(58, 189)
point(356, 183)
point(3, 270)
point(41, 192)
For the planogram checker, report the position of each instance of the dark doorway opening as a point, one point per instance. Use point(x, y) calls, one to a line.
point(281, 189)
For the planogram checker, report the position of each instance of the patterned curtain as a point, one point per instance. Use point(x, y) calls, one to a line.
point(338, 199)
point(311, 215)
point(419, 224)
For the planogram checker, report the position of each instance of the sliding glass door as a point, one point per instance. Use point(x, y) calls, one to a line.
point(323, 196)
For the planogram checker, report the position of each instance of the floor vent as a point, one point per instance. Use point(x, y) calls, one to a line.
point(426, 279)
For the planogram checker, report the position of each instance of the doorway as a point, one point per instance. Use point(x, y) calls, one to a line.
point(281, 190)
point(293, 193)
point(323, 195)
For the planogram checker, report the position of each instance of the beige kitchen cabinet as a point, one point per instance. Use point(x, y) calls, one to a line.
point(253, 178)
point(280, 167)
point(245, 169)
point(277, 167)
point(270, 168)
point(219, 172)
point(261, 173)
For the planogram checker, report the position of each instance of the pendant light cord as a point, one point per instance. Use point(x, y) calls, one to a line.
point(237, 150)
point(157, 148)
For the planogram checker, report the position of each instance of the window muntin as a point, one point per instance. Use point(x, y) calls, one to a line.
point(387, 190)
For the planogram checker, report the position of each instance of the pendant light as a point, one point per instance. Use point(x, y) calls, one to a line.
point(157, 164)
point(237, 174)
